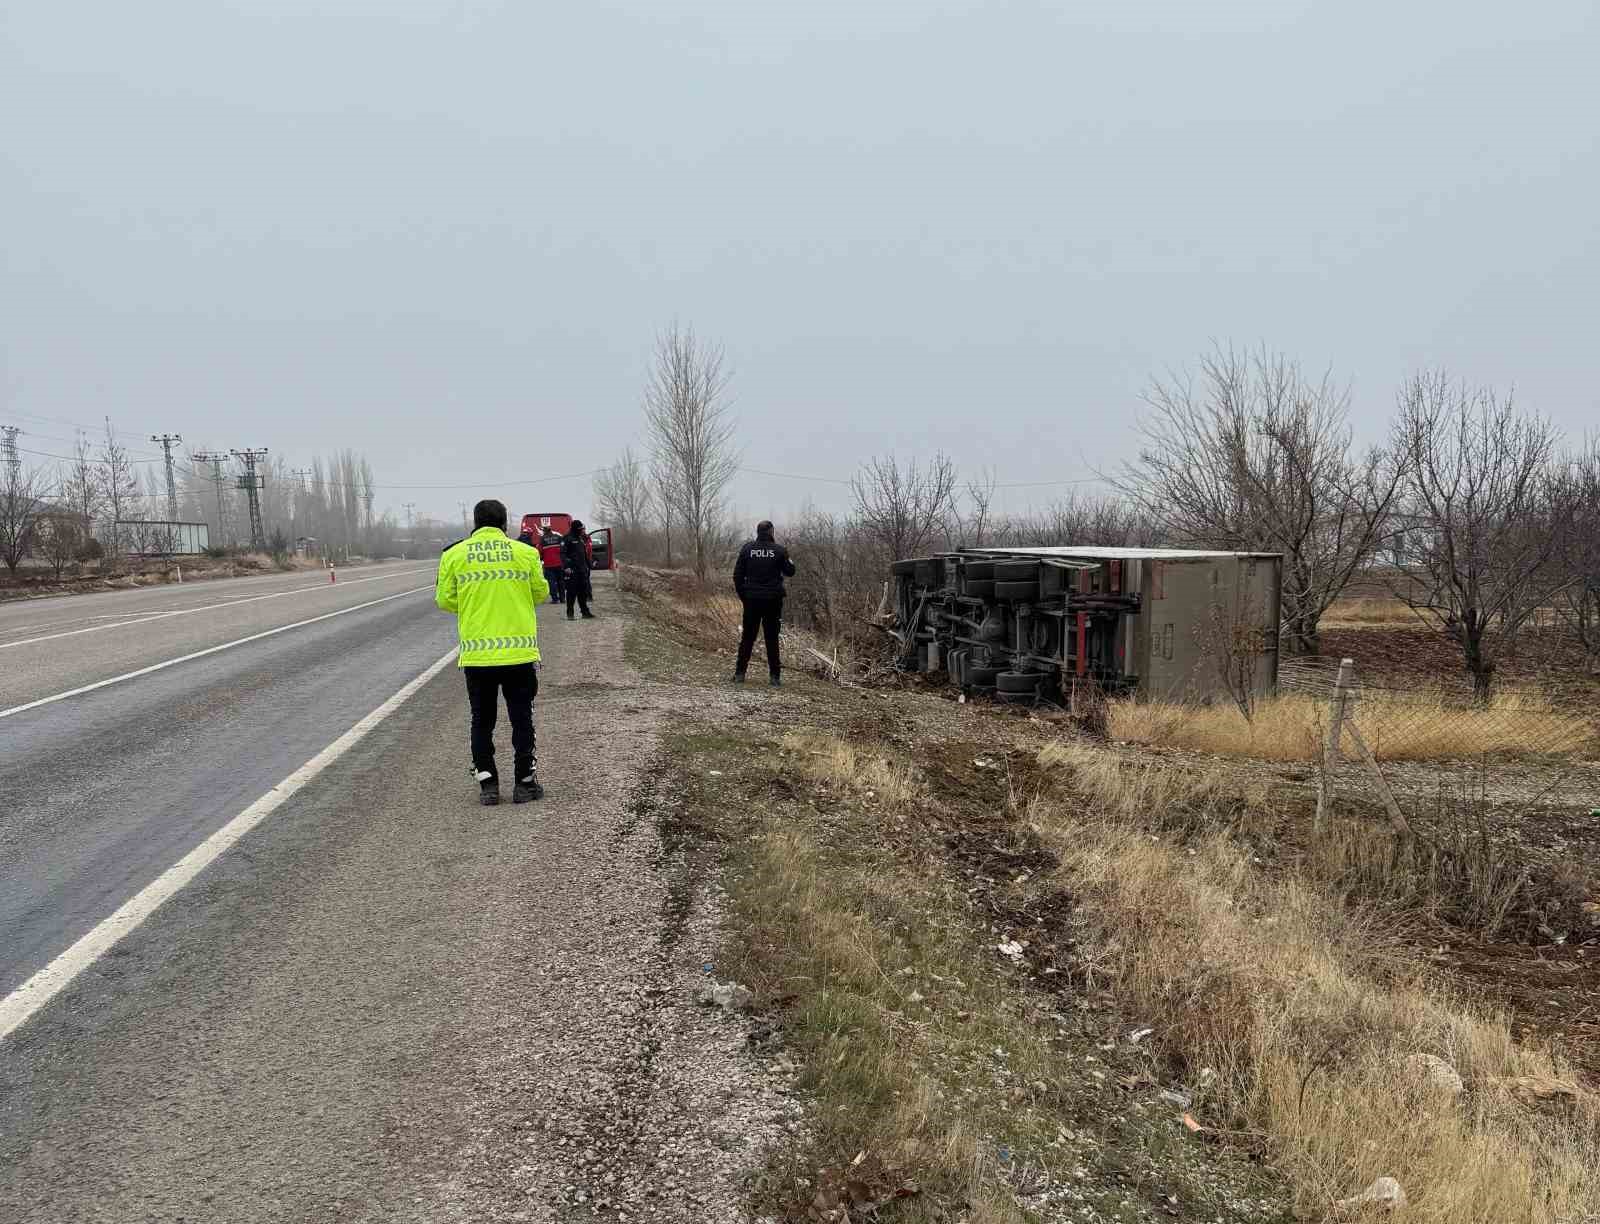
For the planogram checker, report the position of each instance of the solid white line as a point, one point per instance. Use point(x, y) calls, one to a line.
point(144, 618)
point(43, 986)
point(200, 654)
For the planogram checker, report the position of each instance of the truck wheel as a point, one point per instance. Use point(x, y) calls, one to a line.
point(980, 588)
point(1016, 591)
point(904, 569)
point(981, 677)
point(1016, 571)
point(978, 569)
point(1018, 682)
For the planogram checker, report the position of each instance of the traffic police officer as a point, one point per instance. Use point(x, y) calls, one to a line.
point(493, 585)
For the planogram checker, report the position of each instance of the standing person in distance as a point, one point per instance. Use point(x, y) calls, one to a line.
point(758, 581)
point(494, 586)
point(575, 569)
point(550, 550)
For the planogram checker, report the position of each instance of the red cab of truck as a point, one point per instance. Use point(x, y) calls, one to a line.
point(539, 527)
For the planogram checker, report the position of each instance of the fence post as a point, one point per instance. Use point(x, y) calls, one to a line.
point(1330, 749)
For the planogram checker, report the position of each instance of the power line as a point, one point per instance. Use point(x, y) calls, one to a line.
point(534, 480)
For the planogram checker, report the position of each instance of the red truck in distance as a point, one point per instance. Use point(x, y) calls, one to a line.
point(599, 543)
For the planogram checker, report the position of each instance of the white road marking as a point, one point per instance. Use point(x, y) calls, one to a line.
point(23, 1002)
point(144, 618)
point(200, 654)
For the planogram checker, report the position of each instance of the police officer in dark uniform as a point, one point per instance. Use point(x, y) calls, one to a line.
point(575, 567)
point(758, 581)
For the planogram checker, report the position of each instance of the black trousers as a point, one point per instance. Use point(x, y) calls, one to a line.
point(520, 683)
point(578, 593)
point(763, 614)
point(552, 575)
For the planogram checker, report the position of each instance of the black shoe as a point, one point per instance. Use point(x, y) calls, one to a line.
point(570, 616)
point(489, 793)
point(588, 616)
point(738, 677)
point(527, 790)
point(775, 682)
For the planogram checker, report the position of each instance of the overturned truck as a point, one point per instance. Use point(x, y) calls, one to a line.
point(1032, 623)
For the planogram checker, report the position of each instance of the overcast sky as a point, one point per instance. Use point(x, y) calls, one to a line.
point(445, 233)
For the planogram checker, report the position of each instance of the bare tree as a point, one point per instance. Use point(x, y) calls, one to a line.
point(692, 435)
point(1258, 458)
point(622, 494)
point(22, 494)
point(663, 480)
point(1578, 602)
point(1483, 516)
point(980, 494)
point(905, 510)
point(80, 482)
point(119, 484)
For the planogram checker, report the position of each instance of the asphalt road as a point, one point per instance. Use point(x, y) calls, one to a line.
point(358, 1010)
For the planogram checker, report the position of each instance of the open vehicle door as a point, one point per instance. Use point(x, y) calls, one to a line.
point(601, 555)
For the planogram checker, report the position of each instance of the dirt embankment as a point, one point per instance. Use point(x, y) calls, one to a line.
point(1025, 975)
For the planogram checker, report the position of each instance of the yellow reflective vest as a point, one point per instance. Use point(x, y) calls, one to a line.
point(494, 585)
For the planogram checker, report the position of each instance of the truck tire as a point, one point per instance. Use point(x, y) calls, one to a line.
point(978, 569)
point(980, 588)
point(904, 569)
point(981, 677)
point(1015, 688)
point(1016, 571)
point(1016, 591)
point(1018, 682)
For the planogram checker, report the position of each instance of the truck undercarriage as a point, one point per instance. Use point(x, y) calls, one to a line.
point(1020, 626)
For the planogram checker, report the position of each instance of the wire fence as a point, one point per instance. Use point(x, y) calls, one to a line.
point(1411, 743)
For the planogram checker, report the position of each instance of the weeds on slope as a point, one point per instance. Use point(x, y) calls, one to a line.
point(1309, 1019)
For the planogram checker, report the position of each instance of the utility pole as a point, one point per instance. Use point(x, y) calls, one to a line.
point(216, 459)
point(410, 510)
point(465, 521)
point(301, 475)
point(8, 447)
point(251, 483)
point(166, 441)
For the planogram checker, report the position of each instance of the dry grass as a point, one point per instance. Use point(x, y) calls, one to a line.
point(1291, 727)
point(1361, 612)
point(1305, 1017)
point(838, 762)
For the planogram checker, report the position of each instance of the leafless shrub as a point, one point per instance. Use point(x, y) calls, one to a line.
point(622, 494)
point(1578, 602)
point(59, 533)
point(22, 499)
point(905, 509)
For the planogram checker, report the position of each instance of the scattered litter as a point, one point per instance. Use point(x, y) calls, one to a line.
point(1385, 1192)
point(716, 773)
point(1194, 1127)
point(1012, 949)
point(730, 996)
point(1139, 1035)
point(1181, 1099)
point(914, 997)
point(986, 763)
